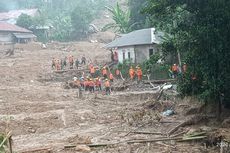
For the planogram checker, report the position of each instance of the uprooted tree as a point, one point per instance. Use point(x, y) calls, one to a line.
point(198, 30)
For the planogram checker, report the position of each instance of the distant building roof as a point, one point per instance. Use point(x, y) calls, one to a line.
point(138, 37)
point(13, 15)
point(4, 26)
point(24, 35)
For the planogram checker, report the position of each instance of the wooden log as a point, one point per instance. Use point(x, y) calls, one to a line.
point(47, 149)
point(93, 145)
point(153, 140)
point(9, 143)
point(71, 70)
point(145, 132)
point(177, 127)
point(193, 138)
point(158, 81)
point(176, 135)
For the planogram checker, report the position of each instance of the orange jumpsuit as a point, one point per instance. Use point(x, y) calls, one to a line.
point(107, 87)
point(139, 74)
point(131, 73)
point(92, 71)
point(117, 72)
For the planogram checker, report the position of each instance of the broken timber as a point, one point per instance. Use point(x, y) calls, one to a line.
point(159, 81)
point(46, 150)
point(71, 70)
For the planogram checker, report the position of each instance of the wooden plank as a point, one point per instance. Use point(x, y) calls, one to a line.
point(159, 81)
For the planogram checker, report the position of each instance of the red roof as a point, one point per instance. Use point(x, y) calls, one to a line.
point(4, 26)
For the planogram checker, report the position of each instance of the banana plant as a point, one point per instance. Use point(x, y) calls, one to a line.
point(121, 20)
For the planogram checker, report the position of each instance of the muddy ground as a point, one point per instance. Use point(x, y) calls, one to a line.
point(42, 114)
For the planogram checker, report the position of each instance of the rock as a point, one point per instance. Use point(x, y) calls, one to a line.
point(192, 131)
point(31, 130)
point(206, 128)
point(82, 148)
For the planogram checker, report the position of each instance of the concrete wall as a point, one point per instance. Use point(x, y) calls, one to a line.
point(6, 37)
point(142, 52)
point(126, 51)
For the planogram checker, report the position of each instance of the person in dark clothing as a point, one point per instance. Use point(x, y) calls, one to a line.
point(83, 60)
point(77, 62)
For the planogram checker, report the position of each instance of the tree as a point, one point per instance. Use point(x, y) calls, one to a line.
point(121, 19)
point(81, 18)
point(25, 21)
point(62, 28)
point(137, 17)
point(199, 30)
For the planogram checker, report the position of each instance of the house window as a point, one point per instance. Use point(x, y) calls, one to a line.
point(129, 56)
point(123, 56)
point(150, 52)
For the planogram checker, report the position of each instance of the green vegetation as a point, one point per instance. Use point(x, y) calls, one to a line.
point(25, 21)
point(121, 19)
point(69, 19)
point(81, 18)
point(199, 31)
point(138, 18)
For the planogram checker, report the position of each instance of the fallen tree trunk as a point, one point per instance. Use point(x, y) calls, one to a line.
point(154, 140)
point(192, 120)
point(144, 132)
point(45, 150)
point(159, 81)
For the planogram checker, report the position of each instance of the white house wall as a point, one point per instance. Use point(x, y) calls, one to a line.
point(142, 52)
point(126, 50)
point(6, 37)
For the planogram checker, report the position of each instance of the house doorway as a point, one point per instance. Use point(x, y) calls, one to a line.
point(150, 52)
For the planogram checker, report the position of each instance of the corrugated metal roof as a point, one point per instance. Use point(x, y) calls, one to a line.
point(4, 26)
point(138, 37)
point(24, 35)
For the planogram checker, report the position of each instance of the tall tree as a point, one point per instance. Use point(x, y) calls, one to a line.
point(140, 19)
point(199, 29)
point(25, 21)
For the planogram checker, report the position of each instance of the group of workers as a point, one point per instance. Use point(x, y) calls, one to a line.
point(60, 64)
point(100, 79)
point(176, 69)
point(93, 84)
point(97, 80)
point(137, 72)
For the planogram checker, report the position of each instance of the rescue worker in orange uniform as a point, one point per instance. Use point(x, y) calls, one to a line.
point(131, 73)
point(77, 82)
point(98, 84)
point(86, 84)
point(174, 70)
point(104, 72)
point(111, 77)
point(71, 61)
point(92, 71)
point(107, 87)
point(91, 85)
point(139, 74)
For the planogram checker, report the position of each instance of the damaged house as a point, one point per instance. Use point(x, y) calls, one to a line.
point(136, 46)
